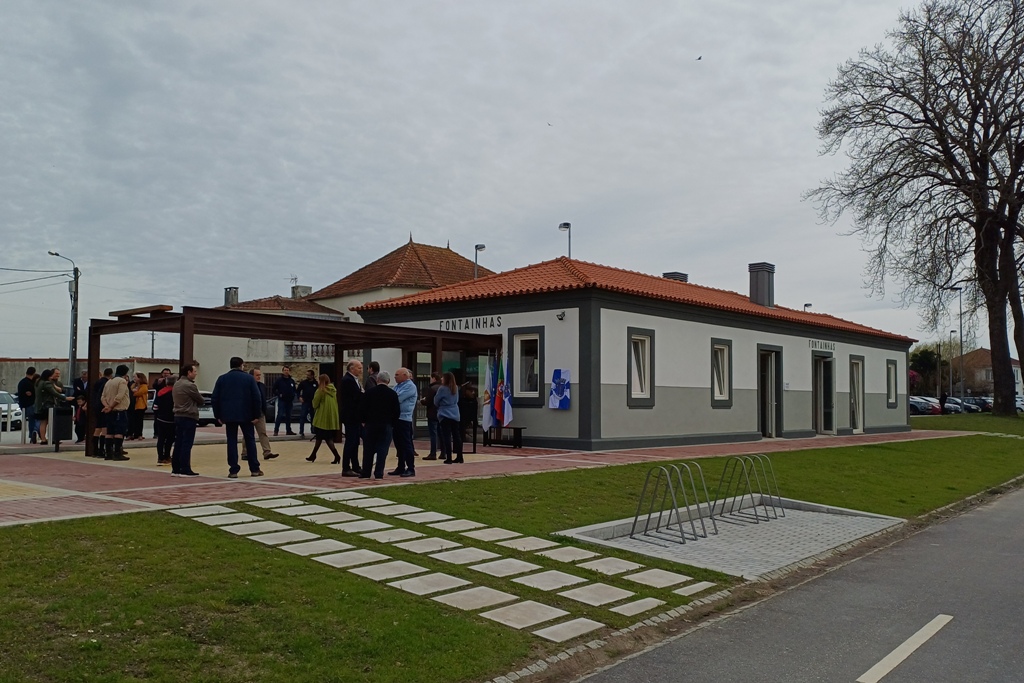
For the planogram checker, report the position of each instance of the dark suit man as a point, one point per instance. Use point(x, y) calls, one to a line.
point(238, 403)
point(351, 397)
point(81, 384)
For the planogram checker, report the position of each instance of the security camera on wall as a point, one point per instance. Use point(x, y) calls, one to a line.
point(560, 316)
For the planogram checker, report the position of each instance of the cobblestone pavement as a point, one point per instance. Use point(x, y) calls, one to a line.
point(37, 484)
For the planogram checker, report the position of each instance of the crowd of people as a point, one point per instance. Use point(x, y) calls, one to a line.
point(372, 414)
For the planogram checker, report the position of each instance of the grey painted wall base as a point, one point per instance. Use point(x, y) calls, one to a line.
point(639, 442)
point(799, 434)
point(892, 429)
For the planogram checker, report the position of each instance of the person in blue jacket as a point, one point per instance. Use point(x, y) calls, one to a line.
point(238, 404)
point(447, 401)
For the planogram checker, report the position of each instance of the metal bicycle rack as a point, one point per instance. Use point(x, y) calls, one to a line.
point(742, 478)
point(669, 517)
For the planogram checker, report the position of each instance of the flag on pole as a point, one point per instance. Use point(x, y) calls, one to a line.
point(499, 397)
point(506, 395)
point(558, 398)
point(488, 417)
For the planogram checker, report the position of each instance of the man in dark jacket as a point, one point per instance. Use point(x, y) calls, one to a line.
point(380, 411)
point(237, 403)
point(428, 401)
point(284, 392)
point(81, 384)
point(307, 388)
point(350, 397)
point(27, 401)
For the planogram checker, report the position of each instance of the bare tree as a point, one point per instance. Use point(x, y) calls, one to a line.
point(932, 126)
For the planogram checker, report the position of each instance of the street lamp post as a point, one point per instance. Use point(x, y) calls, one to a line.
point(477, 249)
point(951, 333)
point(806, 306)
point(567, 228)
point(960, 294)
point(73, 290)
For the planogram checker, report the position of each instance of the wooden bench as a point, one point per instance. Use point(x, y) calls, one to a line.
point(504, 436)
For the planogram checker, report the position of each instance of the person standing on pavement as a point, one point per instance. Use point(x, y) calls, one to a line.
point(238, 404)
point(371, 379)
point(81, 384)
point(187, 400)
point(284, 392)
point(140, 396)
point(432, 423)
point(27, 401)
point(158, 384)
point(326, 421)
point(163, 416)
point(351, 400)
point(117, 401)
point(306, 391)
point(447, 402)
point(99, 434)
point(261, 425)
point(380, 411)
point(407, 393)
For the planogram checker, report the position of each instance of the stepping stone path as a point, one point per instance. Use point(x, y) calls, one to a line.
point(450, 590)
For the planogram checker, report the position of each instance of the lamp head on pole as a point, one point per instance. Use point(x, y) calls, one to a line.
point(480, 247)
point(806, 306)
point(565, 227)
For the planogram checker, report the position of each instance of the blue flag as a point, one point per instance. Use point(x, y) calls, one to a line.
point(558, 399)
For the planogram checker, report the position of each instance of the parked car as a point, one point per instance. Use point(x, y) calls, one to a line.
point(919, 406)
point(936, 409)
point(206, 417)
point(149, 402)
point(270, 410)
point(9, 409)
point(965, 407)
point(984, 403)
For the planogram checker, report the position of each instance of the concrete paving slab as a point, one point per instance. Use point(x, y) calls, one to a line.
point(637, 606)
point(549, 580)
point(255, 528)
point(524, 614)
point(303, 510)
point(431, 583)
point(395, 509)
point(597, 594)
point(610, 565)
point(568, 554)
point(456, 525)
point(351, 558)
point(331, 517)
point(290, 536)
point(236, 518)
point(568, 630)
point(474, 598)
point(695, 588)
point(393, 535)
point(389, 570)
point(658, 578)
point(528, 543)
point(323, 546)
point(360, 526)
point(200, 511)
point(424, 517)
point(491, 534)
point(366, 502)
point(506, 567)
point(465, 555)
point(342, 495)
point(428, 545)
point(275, 502)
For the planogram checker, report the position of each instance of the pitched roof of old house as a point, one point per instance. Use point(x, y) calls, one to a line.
point(563, 274)
point(411, 265)
point(282, 303)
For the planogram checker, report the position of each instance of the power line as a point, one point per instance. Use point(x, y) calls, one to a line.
point(25, 289)
point(23, 270)
point(31, 280)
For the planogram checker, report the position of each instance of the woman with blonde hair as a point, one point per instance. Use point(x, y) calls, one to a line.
point(447, 401)
point(325, 418)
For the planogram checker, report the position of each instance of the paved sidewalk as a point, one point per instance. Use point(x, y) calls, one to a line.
point(40, 485)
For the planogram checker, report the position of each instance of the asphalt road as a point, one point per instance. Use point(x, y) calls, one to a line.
point(839, 627)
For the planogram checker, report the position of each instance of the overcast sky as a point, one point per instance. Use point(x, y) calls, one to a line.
point(176, 148)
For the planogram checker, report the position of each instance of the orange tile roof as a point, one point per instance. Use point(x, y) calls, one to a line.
point(563, 274)
point(282, 303)
point(411, 265)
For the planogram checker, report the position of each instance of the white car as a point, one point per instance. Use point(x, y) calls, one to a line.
point(9, 409)
point(206, 417)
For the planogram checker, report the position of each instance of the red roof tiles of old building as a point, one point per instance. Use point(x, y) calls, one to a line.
point(411, 265)
point(563, 274)
point(282, 303)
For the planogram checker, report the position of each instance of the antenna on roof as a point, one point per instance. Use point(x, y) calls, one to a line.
point(410, 237)
point(294, 279)
point(449, 245)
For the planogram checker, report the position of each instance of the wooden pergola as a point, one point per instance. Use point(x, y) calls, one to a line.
point(222, 322)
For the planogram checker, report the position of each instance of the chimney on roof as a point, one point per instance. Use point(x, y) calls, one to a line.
point(762, 284)
point(676, 275)
point(301, 291)
point(231, 296)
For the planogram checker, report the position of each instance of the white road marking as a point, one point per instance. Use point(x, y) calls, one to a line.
point(896, 657)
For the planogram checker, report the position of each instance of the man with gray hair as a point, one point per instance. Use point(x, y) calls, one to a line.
point(380, 411)
point(407, 393)
point(351, 398)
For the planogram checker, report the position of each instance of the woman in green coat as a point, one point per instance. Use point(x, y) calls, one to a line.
point(48, 395)
point(325, 418)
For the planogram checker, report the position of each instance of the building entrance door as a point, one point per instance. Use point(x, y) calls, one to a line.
point(824, 395)
point(768, 396)
point(857, 396)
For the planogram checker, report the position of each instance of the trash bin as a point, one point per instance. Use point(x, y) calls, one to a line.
point(62, 424)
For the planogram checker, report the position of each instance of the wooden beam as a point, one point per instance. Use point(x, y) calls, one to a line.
point(140, 311)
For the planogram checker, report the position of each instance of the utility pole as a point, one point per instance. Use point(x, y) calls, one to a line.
point(73, 291)
point(152, 345)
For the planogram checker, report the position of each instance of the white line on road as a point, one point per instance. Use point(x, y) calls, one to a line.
point(896, 657)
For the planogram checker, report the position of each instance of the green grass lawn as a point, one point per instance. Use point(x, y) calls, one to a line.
point(970, 422)
point(155, 597)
